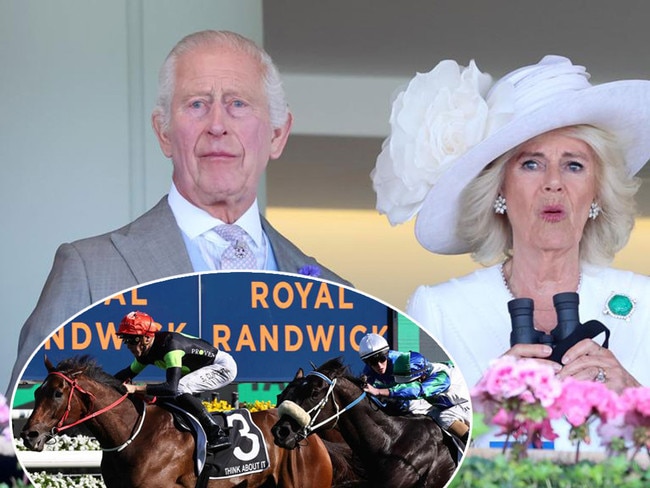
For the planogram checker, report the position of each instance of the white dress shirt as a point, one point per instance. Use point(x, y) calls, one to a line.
point(195, 223)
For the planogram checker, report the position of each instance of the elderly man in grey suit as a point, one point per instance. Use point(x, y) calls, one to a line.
point(221, 115)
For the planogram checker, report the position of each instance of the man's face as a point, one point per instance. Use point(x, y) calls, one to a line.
point(378, 363)
point(219, 135)
point(137, 345)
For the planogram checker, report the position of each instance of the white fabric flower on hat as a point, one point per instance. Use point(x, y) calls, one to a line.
point(436, 119)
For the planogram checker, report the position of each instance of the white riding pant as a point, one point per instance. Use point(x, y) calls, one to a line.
point(211, 377)
point(458, 393)
point(448, 416)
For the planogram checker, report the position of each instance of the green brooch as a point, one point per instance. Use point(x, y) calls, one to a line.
point(619, 306)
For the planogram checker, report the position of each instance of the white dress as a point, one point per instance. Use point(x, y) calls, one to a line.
point(469, 317)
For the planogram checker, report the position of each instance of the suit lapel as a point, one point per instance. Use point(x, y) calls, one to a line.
point(153, 246)
point(291, 259)
point(287, 255)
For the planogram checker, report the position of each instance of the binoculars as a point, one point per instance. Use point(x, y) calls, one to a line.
point(521, 316)
point(567, 333)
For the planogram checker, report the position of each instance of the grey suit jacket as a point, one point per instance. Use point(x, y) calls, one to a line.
point(149, 248)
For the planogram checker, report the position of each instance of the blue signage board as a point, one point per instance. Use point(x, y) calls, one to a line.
point(271, 323)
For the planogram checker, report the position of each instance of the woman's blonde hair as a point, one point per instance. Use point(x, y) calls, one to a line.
point(490, 234)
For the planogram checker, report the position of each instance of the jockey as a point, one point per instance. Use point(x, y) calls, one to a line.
point(192, 365)
point(433, 388)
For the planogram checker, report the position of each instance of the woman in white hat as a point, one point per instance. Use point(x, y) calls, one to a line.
point(534, 175)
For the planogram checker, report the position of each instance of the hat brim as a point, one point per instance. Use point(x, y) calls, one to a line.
point(621, 108)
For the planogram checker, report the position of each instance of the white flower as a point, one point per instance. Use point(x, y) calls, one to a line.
point(439, 116)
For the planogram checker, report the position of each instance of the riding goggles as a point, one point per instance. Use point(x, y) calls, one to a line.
point(376, 359)
point(131, 340)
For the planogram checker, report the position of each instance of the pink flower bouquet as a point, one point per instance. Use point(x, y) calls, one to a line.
point(522, 396)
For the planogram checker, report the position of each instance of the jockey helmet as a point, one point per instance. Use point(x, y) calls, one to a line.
point(139, 324)
point(372, 345)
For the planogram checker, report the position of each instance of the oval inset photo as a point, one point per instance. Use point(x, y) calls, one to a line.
point(241, 379)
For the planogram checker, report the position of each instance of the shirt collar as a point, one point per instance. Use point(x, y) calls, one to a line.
point(194, 221)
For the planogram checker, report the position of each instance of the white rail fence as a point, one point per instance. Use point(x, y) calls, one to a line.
point(60, 459)
point(32, 460)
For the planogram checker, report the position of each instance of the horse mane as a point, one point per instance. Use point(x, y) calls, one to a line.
point(88, 366)
point(335, 368)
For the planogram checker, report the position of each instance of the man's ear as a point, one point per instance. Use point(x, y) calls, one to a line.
point(280, 136)
point(158, 124)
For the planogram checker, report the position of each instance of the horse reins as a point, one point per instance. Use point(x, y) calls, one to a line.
point(74, 385)
point(309, 428)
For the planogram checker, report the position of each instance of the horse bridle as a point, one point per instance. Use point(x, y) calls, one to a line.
point(75, 386)
point(312, 426)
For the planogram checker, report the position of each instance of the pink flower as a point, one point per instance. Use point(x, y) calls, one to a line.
point(514, 394)
point(525, 379)
point(4, 411)
point(636, 400)
point(616, 430)
point(504, 419)
point(5, 428)
point(540, 430)
point(522, 397)
point(580, 400)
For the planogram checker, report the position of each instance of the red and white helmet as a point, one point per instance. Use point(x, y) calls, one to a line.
point(138, 324)
point(372, 344)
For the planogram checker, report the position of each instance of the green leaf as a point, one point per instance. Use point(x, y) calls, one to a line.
point(502, 472)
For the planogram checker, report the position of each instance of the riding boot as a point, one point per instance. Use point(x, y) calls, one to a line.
point(460, 429)
point(216, 437)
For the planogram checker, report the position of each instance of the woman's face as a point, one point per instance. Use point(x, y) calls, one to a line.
point(549, 185)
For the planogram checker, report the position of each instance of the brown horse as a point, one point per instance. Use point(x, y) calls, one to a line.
point(142, 446)
point(396, 451)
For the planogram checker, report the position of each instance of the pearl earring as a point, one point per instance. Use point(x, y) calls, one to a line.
point(500, 206)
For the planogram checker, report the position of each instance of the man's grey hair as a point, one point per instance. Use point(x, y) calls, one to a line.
point(278, 108)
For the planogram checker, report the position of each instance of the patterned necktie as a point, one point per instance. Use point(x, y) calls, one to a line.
point(238, 255)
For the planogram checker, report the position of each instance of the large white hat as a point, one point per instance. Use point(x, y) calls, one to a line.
point(450, 123)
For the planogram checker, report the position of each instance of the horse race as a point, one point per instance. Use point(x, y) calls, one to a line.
point(390, 447)
point(142, 445)
point(334, 426)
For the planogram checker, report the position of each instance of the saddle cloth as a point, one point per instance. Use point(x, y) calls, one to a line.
point(247, 454)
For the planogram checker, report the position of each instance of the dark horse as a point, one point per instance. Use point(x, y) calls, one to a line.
point(142, 446)
point(396, 451)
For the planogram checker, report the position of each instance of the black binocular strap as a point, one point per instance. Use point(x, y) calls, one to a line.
point(588, 330)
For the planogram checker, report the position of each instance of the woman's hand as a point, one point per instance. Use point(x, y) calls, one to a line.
point(534, 351)
point(587, 360)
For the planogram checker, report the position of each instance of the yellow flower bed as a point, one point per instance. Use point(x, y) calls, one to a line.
point(217, 405)
point(222, 405)
point(257, 406)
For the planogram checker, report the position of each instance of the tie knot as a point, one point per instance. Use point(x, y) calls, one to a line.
point(230, 232)
point(238, 255)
